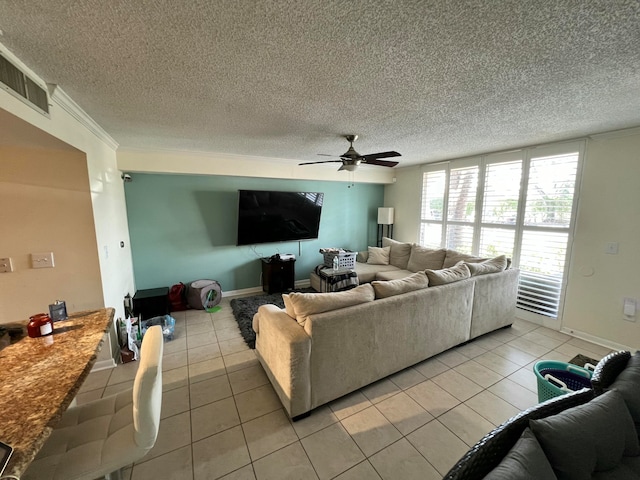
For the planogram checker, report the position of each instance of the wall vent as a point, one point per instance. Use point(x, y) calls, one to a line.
point(14, 81)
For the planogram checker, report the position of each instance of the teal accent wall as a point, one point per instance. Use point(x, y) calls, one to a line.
point(183, 227)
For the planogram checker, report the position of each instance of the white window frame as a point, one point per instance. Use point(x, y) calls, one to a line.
point(525, 155)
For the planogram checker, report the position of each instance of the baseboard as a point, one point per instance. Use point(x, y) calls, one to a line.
point(103, 365)
point(255, 290)
point(242, 291)
point(597, 340)
point(554, 324)
point(303, 283)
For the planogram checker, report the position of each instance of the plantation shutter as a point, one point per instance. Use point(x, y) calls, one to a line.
point(433, 207)
point(546, 231)
point(500, 207)
point(461, 208)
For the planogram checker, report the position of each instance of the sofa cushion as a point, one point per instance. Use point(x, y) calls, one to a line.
point(448, 275)
point(422, 258)
point(368, 273)
point(362, 256)
point(399, 254)
point(588, 438)
point(389, 288)
point(525, 461)
point(378, 255)
point(452, 257)
point(493, 265)
point(394, 274)
point(628, 384)
point(305, 304)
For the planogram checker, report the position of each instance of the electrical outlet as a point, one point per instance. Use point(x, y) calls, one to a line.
point(6, 265)
point(42, 260)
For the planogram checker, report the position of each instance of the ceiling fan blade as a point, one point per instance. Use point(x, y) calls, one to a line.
point(323, 161)
point(373, 156)
point(382, 163)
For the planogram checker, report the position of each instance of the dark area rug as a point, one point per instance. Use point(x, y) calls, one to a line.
point(245, 308)
point(581, 360)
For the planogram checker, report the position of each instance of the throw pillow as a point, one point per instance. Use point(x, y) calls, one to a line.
point(452, 257)
point(288, 306)
point(362, 257)
point(378, 256)
point(525, 461)
point(389, 288)
point(422, 258)
point(588, 438)
point(493, 265)
point(305, 304)
point(448, 275)
point(399, 254)
point(628, 384)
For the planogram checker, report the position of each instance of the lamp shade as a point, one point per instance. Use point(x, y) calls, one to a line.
point(385, 216)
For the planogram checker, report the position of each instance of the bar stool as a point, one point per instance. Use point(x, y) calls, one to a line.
point(101, 437)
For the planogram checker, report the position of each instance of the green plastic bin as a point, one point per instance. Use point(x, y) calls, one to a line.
point(558, 378)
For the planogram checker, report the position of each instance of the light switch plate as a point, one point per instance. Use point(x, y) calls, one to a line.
point(42, 260)
point(6, 265)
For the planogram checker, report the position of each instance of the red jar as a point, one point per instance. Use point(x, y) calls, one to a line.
point(40, 325)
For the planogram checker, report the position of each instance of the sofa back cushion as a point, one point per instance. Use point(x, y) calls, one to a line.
point(493, 265)
point(448, 275)
point(452, 257)
point(389, 288)
point(422, 258)
point(301, 305)
point(525, 461)
point(400, 252)
point(589, 438)
point(378, 256)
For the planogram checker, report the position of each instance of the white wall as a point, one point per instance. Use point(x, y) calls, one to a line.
point(106, 189)
point(609, 211)
point(405, 195)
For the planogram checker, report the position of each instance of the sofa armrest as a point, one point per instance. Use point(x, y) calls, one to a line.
point(284, 349)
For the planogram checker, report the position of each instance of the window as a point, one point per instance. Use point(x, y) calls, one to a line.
point(520, 204)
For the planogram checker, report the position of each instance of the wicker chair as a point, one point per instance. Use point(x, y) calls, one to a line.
point(608, 370)
point(485, 455)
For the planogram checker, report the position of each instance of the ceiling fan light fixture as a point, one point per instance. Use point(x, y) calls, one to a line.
point(350, 167)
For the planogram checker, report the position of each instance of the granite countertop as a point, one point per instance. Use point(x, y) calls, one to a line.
point(39, 378)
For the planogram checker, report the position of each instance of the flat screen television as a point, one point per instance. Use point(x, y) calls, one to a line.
point(270, 216)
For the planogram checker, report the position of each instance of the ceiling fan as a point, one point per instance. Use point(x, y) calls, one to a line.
point(351, 159)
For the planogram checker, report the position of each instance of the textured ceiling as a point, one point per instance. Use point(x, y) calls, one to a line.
point(284, 79)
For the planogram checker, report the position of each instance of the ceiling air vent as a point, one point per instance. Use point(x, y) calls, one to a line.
point(17, 83)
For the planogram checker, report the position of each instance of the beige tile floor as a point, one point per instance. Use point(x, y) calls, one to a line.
point(222, 419)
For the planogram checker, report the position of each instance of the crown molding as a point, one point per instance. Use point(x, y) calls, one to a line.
point(64, 101)
point(616, 134)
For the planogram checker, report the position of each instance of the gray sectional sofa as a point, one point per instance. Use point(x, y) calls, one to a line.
point(325, 345)
point(589, 434)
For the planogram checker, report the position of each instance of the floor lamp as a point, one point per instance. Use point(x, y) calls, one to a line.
point(385, 217)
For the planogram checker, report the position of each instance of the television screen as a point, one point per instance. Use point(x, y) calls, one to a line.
point(267, 216)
